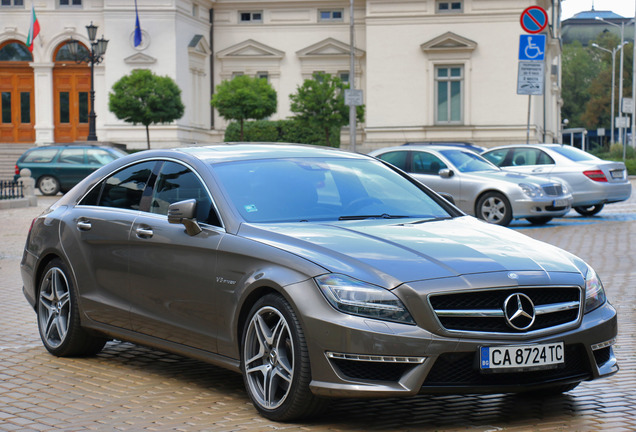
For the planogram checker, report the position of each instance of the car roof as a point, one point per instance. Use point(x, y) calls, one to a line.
point(427, 147)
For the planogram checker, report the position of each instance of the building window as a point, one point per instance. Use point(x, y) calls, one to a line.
point(262, 74)
point(344, 77)
point(448, 88)
point(235, 74)
point(251, 17)
point(449, 6)
point(331, 15)
point(12, 3)
point(66, 3)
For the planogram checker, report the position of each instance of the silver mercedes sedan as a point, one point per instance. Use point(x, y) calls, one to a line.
point(478, 187)
point(315, 273)
point(593, 182)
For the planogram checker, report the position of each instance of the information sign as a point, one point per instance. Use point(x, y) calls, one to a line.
point(530, 78)
point(353, 97)
point(532, 47)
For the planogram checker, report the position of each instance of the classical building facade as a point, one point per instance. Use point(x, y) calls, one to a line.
point(429, 69)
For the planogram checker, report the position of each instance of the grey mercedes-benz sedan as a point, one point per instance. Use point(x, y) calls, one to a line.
point(314, 272)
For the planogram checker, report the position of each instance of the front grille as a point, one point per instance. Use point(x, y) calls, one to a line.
point(462, 369)
point(373, 371)
point(483, 311)
point(553, 190)
point(602, 356)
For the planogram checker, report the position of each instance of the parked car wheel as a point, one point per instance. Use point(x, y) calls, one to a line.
point(276, 362)
point(48, 185)
point(539, 220)
point(58, 315)
point(589, 210)
point(494, 207)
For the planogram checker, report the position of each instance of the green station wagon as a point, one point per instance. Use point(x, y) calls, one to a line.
point(59, 168)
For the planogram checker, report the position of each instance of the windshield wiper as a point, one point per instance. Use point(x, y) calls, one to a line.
point(431, 219)
point(362, 217)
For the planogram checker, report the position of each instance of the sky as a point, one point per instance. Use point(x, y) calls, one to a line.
point(624, 8)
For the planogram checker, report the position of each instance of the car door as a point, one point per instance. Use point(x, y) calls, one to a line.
point(95, 235)
point(528, 160)
point(71, 167)
point(426, 167)
point(172, 275)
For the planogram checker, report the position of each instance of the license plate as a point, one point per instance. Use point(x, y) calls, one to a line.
point(616, 174)
point(521, 357)
point(559, 203)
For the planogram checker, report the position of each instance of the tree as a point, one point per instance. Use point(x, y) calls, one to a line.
point(244, 97)
point(319, 103)
point(143, 97)
point(580, 68)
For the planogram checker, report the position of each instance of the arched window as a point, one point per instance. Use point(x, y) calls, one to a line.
point(63, 53)
point(15, 51)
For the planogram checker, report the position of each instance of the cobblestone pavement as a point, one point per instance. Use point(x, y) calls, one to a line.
point(131, 388)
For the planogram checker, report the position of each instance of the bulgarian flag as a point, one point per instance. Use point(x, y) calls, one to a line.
point(34, 29)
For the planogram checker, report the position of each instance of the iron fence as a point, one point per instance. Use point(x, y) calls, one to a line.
point(10, 189)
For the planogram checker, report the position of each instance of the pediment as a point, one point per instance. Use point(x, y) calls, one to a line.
point(329, 47)
point(198, 45)
point(140, 59)
point(250, 48)
point(449, 41)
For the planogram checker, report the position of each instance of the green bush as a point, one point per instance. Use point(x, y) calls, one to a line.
point(290, 130)
point(615, 153)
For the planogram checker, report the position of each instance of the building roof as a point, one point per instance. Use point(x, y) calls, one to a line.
point(586, 26)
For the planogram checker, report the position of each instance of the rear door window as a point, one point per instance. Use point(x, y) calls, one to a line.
point(40, 156)
point(123, 189)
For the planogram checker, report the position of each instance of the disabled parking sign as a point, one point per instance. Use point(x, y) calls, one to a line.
point(532, 47)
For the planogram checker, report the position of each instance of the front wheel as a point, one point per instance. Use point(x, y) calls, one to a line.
point(589, 210)
point(275, 362)
point(58, 315)
point(539, 220)
point(494, 207)
point(48, 185)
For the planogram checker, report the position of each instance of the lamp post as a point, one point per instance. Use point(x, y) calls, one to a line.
point(620, 79)
point(613, 53)
point(95, 56)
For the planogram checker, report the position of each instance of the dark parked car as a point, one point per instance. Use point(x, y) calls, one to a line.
point(59, 168)
point(316, 273)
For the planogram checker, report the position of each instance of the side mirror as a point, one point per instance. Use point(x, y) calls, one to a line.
point(448, 197)
point(184, 212)
point(446, 173)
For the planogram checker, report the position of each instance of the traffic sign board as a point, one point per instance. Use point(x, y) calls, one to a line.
point(534, 19)
point(532, 47)
point(530, 78)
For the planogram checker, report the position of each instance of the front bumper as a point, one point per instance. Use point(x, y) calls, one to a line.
point(523, 208)
point(359, 357)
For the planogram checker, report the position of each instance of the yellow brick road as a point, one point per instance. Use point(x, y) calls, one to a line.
point(131, 388)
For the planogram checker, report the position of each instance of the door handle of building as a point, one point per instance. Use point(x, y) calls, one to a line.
point(84, 225)
point(144, 232)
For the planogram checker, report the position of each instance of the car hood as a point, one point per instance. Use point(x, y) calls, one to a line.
point(389, 253)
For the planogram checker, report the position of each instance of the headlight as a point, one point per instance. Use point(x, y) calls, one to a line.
point(533, 191)
point(594, 291)
point(355, 297)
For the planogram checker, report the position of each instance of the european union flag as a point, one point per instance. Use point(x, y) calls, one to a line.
point(137, 27)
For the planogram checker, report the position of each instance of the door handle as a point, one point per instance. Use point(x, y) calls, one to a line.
point(84, 225)
point(144, 232)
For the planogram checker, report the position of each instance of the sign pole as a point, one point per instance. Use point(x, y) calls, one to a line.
point(352, 79)
point(528, 126)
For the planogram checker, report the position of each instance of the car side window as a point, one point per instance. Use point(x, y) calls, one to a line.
point(530, 156)
point(40, 156)
point(426, 163)
point(396, 158)
point(98, 157)
point(72, 156)
point(498, 157)
point(176, 183)
point(544, 159)
point(122, 189)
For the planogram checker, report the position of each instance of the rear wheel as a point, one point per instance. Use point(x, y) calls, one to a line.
point(589, 210)
point(494, 207)
point(48, 185)
point(58, 315)
point(275, 362)
point(539, 220)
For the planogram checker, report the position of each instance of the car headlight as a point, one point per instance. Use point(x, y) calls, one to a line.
point(533, 191)
point(355, 297)
point(594, 291)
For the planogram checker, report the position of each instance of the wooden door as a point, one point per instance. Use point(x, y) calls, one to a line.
point(17, 117)
point(71, 87)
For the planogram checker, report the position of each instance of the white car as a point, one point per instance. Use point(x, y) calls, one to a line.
point(593, 182)
point(478, 187)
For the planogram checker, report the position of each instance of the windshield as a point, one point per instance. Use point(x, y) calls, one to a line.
point(307, 189)
point(574, 154)
point(466, 161)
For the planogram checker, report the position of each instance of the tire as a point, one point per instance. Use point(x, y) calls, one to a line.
point(58, 315)
point(539, 220)
point(494, 207)
point(275, 362)
point(589, 210)
point(48, 185)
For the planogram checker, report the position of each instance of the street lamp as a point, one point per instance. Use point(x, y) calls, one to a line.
point(96, 55)
point(620, 79)
point(613, 53)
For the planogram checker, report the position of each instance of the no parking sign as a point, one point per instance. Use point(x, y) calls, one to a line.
point(534, 19)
